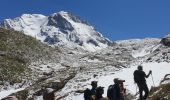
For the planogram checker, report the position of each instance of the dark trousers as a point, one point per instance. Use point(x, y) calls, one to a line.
point(143, 87)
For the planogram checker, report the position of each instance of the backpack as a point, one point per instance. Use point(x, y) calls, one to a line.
point(136, 77)
point(112, 92)
point(88, 95)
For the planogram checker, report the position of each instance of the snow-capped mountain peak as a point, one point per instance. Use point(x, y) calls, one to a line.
point(28, 23)
point(60, 28)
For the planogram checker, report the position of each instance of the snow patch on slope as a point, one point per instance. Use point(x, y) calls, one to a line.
point(127, 74)
point(144, 51)
point(140, 47)
point(6, 93)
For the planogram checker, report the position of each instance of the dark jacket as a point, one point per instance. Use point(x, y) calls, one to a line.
point(93, 91)
point(139, 76)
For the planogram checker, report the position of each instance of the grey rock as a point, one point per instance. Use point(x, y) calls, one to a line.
point(166, 41)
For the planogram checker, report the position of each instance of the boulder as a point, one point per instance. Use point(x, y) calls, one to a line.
point(166, 40)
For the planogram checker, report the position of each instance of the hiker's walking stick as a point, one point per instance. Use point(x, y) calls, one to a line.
point(137, 92)
point(153, 80)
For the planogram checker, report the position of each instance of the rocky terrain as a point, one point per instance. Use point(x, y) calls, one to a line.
point(22, 61)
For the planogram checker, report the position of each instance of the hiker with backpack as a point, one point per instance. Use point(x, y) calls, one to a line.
point(90, 94)
point(139, 78)
point(116, 91)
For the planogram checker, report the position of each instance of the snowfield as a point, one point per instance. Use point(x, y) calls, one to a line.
point(158, 71)
point(6, 93)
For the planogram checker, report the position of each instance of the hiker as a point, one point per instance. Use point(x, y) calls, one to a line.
point(94, 86)
point(90, 94)
point(49, 94)
point(139, 78)
point(99, 93)
point(116, 91)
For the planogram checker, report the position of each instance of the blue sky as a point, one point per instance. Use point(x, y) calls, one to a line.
point(115, 19)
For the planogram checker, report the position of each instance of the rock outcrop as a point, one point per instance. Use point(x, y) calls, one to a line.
point(166, 40)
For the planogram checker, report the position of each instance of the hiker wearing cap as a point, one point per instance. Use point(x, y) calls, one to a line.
point(99, 93)
point(113, 92)
point(139, 78)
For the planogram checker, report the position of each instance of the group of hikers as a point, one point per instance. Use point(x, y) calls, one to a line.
point(117, 90)
point(114, 92)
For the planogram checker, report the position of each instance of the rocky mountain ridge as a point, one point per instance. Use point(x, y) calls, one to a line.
point(60, 28)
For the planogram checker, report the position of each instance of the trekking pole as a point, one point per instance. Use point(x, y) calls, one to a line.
point(137, 92)
point(153, 80)
point(136, 88)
